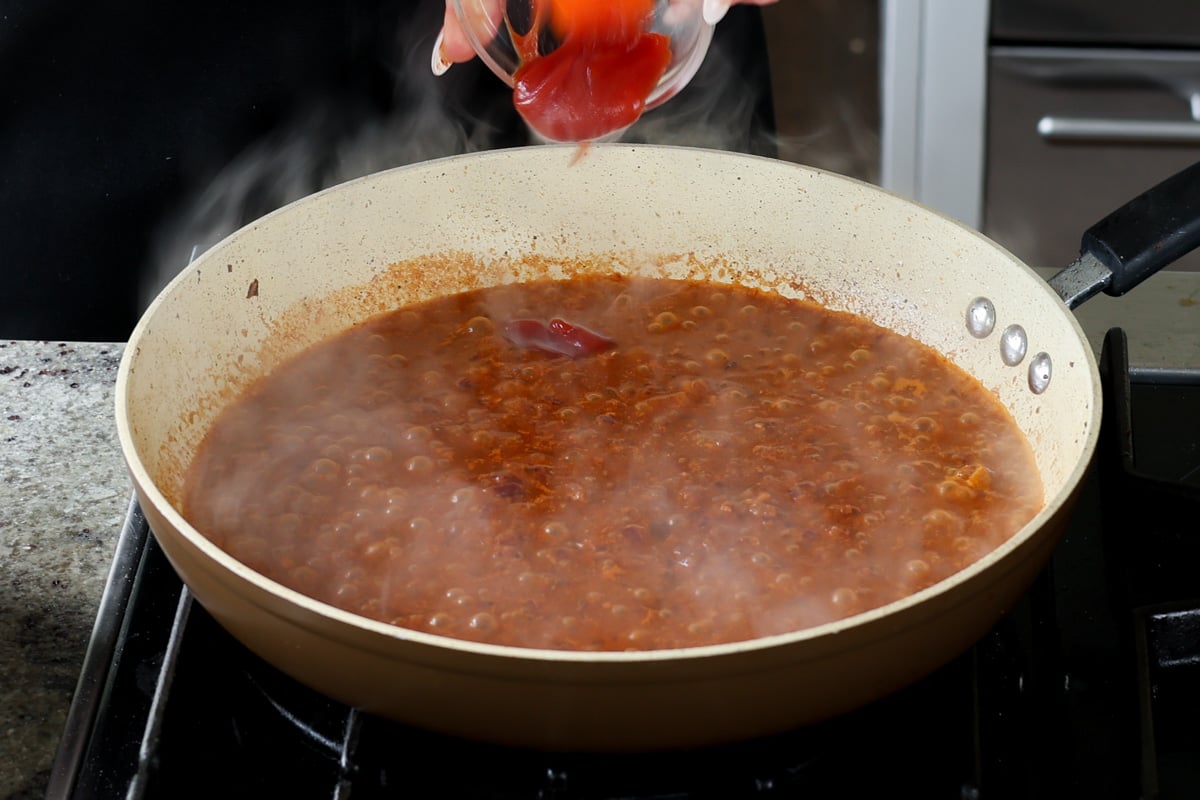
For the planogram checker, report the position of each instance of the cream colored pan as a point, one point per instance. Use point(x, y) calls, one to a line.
point(325, 262)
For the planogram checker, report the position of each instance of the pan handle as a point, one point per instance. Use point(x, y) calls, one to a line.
point(1135, 241)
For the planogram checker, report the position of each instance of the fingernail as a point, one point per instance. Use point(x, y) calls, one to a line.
point(438, 62)
point(714, 11)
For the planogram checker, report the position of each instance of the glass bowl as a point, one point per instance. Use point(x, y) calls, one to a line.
point(490, 26)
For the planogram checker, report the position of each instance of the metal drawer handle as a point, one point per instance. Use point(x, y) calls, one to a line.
point(1069, 129)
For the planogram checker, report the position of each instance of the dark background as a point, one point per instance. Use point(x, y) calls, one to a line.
point(132, 132)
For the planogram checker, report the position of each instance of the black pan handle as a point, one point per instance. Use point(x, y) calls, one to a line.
point(1132, 243)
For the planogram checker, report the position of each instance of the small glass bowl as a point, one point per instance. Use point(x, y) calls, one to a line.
point(488, 26)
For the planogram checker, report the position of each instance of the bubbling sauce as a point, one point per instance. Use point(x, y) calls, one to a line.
point(612, 463)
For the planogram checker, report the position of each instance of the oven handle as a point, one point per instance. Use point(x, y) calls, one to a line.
point(1091, 129)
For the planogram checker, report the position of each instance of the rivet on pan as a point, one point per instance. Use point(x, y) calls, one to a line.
point(1040, 370)
point(981, 317)
point(1013, 345)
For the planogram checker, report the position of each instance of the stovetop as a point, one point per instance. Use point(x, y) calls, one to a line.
point(1090, 687)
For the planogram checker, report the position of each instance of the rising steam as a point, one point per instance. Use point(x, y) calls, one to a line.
point(467, 110)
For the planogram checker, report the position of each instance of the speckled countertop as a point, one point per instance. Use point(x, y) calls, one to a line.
point(63, 497)
point(64, 493)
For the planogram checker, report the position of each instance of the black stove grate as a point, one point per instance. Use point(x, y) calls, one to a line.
point(1090, 687)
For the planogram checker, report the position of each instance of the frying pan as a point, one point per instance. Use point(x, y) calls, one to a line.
point(330, 260)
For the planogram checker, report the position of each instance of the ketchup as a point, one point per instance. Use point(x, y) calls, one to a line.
point(597, 80)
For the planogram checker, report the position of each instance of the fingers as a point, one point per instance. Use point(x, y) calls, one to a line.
point(714, 10)
point(451, 46)
point(438, 61)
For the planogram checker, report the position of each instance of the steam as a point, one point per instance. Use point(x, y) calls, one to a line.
point(318, 148)
point(825, 81)
point(466, 110)
point(716, 110)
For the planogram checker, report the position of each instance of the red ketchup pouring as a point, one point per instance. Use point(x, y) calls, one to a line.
point(598, 78)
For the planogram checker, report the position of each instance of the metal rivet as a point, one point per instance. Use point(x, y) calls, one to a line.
point(981, 317)
point(1040, 370)
point(1013, 345)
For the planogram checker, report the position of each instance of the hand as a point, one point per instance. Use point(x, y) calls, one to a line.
point(714, 10)
point(453, 47)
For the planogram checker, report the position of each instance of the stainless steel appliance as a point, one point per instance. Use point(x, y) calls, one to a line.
point(1027, 118)
point(1085, 102)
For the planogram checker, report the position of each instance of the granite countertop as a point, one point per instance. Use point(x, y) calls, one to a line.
point(64, 493)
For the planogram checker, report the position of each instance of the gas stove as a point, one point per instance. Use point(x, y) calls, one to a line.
point(1088, 688)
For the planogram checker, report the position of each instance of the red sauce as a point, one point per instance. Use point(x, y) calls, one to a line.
point(612, 463)
point(597, 80)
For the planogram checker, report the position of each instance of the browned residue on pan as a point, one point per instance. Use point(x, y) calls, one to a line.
point(253, 290)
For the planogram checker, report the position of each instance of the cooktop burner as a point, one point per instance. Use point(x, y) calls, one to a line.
point(1089, 687)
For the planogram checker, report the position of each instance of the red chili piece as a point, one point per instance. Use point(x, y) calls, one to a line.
point(559, 337)
point(528, 334)
point(581, 341)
